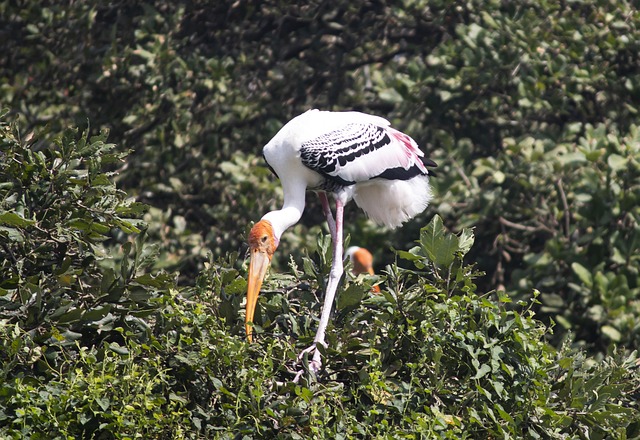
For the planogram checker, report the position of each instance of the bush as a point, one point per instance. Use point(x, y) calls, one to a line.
point(109, 391)
point(68, 268)
point(428, 357)
point(72, 282)
point(574, 220)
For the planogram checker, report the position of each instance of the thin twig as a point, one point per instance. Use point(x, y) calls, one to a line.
point(513, 225)
point(565, 205)
point(460, 171)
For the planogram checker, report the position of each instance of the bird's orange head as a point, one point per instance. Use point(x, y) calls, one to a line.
point(362, 261)
point(262, 245)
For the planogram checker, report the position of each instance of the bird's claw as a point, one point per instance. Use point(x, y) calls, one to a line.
point(314, 365)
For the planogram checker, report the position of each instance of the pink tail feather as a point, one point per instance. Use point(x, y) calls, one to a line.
point(411, 149)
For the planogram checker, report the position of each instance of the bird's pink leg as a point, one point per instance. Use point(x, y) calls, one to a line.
point(334, 276)
point(332, 285)
point(326, 209)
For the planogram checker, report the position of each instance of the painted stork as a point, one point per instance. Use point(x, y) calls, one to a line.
point(351, 155)
point(362, 262)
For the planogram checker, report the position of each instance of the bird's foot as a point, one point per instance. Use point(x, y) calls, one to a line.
point(314, 365)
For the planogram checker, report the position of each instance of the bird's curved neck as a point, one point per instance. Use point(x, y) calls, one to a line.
point(290, 213)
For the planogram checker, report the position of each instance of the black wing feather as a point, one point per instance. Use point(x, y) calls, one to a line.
point(327, 153)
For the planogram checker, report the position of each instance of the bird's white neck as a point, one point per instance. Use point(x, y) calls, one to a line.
point(290, 213)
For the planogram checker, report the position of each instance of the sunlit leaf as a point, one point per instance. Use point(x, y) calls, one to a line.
point(9, 218)
point(582, 273)
point(439, 244)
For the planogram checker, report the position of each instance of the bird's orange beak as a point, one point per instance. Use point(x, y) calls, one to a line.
point(262, 245)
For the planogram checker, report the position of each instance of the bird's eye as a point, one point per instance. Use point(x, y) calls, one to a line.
point(265, 238)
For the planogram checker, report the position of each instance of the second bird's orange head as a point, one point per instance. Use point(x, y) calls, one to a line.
point(262, 245)
point(362, 261)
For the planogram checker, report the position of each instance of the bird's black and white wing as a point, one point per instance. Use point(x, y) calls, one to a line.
point(361, 151)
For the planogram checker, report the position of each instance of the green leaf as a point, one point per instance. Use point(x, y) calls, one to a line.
point(103, 402)
point(58, 312)
point(117, 348)
point(79, 224)
point(482, 371)
point(70, 336)
point(309, 267)
point(617, 162)
point(236, 287)
point(410, 256)
point(97, 313)
point(611, 332)
point(100, 228)
point(11, 218)
point(441, 246)
point(149, 280)
point(582, 273)
point(177, 398)
point(128, 227)
point(571, 158)
point(12, 234)
point(134, 209)
point(73, 315)
point(350, 297)
point(466, 240)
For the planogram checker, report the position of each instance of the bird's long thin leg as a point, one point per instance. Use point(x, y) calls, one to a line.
point(332, 285)
point(334, 276)
point(326, 209)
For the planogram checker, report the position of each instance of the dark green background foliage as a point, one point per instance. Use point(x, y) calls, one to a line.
point(130, 172)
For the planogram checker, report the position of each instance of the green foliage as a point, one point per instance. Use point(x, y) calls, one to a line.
point(502, 95)
point(429, 358)
point(587, 267)
point(111, 391)
point(55, 201)
point(64, 275)
point(535, 113)
point(576, 215)
point(77, 307)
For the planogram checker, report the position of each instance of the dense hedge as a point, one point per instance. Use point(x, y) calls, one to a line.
point(96, 345)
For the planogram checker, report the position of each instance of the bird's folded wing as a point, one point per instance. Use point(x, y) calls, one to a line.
point(357, 152)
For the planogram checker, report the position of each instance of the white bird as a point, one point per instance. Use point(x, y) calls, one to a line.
point(351, 155)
